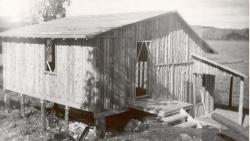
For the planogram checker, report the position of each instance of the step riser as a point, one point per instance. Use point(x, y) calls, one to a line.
point(167, 113)
point(177, 122)
point(173, 118)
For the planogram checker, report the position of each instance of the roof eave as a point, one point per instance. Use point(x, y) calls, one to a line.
point(220, 66)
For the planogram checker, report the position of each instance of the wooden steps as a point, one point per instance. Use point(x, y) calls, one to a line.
point(177, 118)
point(167, 113)
point(159, 107)
point(186, 125)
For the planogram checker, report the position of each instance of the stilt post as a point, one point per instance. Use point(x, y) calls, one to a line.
point(100, 125)
point(194, 94)
point(171, 82)
point(66, 117)
point(231, 92)
point(43, 115)
point(241, 100)
point(22, 105)
point(6, 101)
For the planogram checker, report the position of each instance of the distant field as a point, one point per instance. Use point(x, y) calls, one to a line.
point(234, 54)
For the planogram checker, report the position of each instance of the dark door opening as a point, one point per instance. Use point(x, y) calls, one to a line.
point(142, 68)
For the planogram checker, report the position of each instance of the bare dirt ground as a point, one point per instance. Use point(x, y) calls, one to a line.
point(13, 127)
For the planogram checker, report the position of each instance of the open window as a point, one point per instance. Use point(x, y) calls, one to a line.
point(50, 62)
point(142, 68)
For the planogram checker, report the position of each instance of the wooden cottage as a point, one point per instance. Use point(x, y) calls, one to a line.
point(109, 62)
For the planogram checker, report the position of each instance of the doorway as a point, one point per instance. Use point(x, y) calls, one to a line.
point(142, 68)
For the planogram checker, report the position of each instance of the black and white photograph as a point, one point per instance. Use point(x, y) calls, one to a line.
point(124, 70)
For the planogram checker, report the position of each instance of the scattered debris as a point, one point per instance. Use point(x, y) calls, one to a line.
point(135, 126)
point(76, 128)
point(81, 131)
point(62, 136)
point(15, 114)
point(29, 111)
point(52, 120)
point(91, 135)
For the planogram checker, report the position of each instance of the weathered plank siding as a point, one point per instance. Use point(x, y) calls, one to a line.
point(170, 71)
point(22, 67)
point(72, 84)
point(117, 71)
point(90, 77)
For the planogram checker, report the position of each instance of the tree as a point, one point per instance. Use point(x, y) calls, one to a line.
point(45, 10)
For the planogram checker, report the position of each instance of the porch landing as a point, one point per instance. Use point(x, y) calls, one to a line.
point(159, 106)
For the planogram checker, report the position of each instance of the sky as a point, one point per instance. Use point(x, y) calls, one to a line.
point(217, 13)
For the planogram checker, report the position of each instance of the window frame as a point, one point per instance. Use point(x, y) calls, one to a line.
point(45, 57)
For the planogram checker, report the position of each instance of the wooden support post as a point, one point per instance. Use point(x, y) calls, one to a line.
point(194, 95)
point(203, 95)
point(100, 124)
point(139, 74)
point(204, 100)
point(231, 92)
point(171, 82)
point(241, 100)
point(100, 127)
point(43, 111)
point(6, 101)
point(22, 105)
point(66, 117)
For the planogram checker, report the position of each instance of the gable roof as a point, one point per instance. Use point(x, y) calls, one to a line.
point(88, 26)
point(79, 26)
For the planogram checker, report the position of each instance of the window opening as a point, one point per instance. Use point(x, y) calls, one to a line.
point(50, 56)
